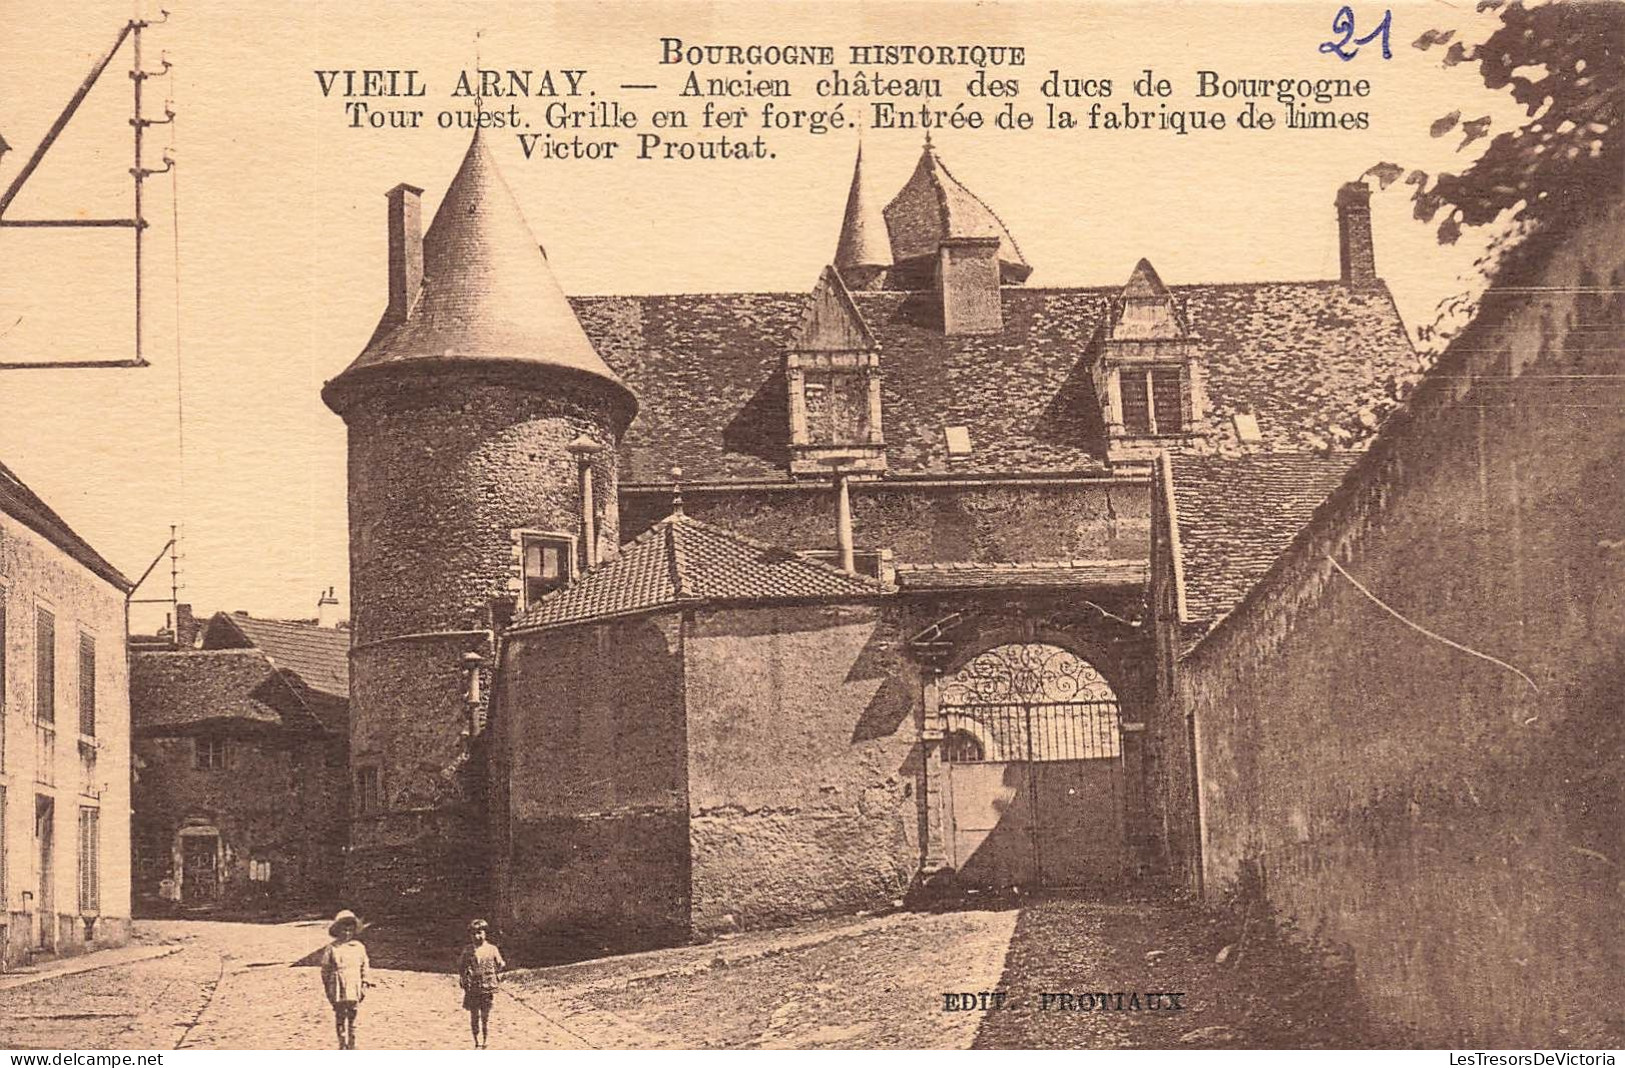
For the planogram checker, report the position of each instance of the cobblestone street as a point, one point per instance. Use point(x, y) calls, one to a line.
point(867, 983)
point(861, 982)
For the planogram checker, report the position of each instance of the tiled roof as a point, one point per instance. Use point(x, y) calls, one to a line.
point(487, 293)
point(681, 560)
point(25, 506)
point(1070, 574)
point(1316, 362)
point(319, 656)
point(1238, 513)
point(192, 687)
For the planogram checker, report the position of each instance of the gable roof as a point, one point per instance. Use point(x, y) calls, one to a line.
point(681, 560)
point(318, 656)
point(192, 687)
point(1238, 513)
point(25, 506)
point(830, 322)
point(1305, 357)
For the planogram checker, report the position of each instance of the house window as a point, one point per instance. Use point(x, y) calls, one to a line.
point(1153, 400)
point(45, 666)
point(87, 685)
point(2, 723)
point(90, 859)
point(368, 795)
point(209, 754)
point(547, 565)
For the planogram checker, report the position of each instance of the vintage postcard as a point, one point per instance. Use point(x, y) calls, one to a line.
point(856, 525)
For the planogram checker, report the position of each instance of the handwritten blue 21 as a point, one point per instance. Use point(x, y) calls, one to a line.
point(1343, 23)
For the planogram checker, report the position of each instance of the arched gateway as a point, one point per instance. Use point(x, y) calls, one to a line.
point(1034, 755)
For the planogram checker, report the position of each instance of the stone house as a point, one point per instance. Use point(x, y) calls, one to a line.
point(891, 625)
point(64, 736)
point(241, 772)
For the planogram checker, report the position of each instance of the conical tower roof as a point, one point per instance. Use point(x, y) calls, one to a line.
point(933, 205)
point(488, 295)
point(864, 241)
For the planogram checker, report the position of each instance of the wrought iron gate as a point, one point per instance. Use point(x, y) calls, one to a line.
point(1034, 755)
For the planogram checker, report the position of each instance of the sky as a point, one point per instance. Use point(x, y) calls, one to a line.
point(265, 256)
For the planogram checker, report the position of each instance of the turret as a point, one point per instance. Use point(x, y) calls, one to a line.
point(480, 421)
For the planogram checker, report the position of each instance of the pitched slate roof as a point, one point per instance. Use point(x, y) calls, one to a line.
point(191, 687)
point(681, 560)
point(1238, 513)
point(1308, 358)
point(319, 656)
point(488, 294)
point(25, 506)
point(933, 205)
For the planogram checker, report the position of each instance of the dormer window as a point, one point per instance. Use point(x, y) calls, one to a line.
point(832, 383)
point(1146, 375)
point(545, 563)
point(1165, 414)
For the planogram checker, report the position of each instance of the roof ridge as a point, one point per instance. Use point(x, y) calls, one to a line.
point(1014, 247)
point(791, 555)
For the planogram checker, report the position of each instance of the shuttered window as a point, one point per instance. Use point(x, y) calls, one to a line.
point(45, 666)
point(87, 685)
point(90, 860)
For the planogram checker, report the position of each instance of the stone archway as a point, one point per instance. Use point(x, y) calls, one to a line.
point(1034, 771)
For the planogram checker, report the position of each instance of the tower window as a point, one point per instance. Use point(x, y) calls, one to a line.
point(547, 562)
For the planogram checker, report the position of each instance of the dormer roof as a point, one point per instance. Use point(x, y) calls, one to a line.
point(1145, 309)
point(831, 321)
point(933, 205)
point(488, 295)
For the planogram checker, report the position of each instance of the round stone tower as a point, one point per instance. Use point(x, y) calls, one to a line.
point(483, 430)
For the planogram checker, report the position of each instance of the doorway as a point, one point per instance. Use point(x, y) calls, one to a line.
point(200, 873)
point(45, 855)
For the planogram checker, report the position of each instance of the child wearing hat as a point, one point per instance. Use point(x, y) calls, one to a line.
point(477, 972)
point(344, 974)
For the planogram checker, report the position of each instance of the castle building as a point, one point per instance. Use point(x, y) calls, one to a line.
point(900, 620)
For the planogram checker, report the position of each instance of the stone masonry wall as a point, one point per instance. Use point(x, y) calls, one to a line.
point(1454, 831)
point(803, 761)
point(275, 800)
point(984, 522)
point(590, 745)
point(443, 469)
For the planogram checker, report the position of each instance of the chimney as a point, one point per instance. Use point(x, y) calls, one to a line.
point(186, 627)
point(1355, 251)
point(405, 249)
point(327, 609)
point(968, 278)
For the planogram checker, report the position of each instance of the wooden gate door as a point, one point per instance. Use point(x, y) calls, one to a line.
point(200, 883)
point(1033, 755)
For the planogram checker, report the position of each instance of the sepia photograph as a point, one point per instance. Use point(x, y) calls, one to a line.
point(843, 524)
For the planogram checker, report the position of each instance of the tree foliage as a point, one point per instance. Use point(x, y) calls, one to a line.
point(1565, 63)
